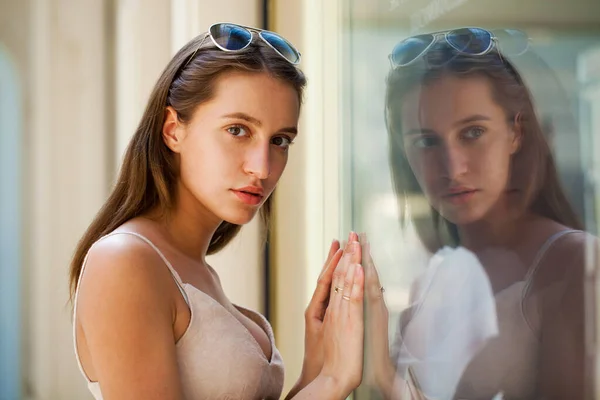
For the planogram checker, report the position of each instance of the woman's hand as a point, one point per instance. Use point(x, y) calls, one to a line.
point(314, 316)
point(343, 325)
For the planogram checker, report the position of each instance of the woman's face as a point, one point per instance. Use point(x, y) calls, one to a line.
point(459, 142)
point(235, 148)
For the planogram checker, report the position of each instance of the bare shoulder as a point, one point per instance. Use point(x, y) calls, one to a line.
point(567, 252)
point(125, 313)
point(122, 270)
point(562, 267)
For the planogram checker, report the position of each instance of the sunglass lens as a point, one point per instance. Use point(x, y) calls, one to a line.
point(470, 40)
point(230, 37)
point(282, 46)
point(512, 41)
point(409, 49)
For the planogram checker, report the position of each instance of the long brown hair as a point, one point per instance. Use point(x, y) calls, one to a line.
point(533, 169)
point(148, 174)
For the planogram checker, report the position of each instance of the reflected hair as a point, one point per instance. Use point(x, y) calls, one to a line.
point(148, 175)
point(533, 170)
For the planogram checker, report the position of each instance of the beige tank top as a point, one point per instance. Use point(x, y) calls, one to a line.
point(218, 357)
point(508, 363)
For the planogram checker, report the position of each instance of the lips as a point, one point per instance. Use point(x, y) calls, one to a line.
point(459, 192)
point(251, 195)
point(459, 195)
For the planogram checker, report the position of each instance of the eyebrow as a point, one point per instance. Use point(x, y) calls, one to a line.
point(472, 118)
point(257, 122)
point(420, 131)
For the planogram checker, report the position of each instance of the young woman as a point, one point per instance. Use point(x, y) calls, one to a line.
point(463, 133)
point(151, 320)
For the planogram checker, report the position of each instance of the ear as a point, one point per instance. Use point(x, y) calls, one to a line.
point(172, 131)
point(517, 136)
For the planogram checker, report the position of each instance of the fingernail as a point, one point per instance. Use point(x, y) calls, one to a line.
point(347, 246)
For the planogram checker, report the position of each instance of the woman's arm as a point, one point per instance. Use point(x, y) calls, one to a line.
point(321, 387)
point(559, 286)
point(126, 310)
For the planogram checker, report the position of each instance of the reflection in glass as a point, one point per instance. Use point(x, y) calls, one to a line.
point(498, 309)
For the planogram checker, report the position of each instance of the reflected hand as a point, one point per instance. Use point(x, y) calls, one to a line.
point(379, 369)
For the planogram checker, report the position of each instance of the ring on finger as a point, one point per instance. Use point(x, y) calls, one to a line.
point(338, 289)
point(345, 297)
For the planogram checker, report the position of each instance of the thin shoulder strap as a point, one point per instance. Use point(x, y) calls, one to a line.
point(535, 266)
point(174, 273)
point(542, 252)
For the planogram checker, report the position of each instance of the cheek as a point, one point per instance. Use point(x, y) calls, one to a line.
point(202, 156)
point(278, 164)
point(493, 167)
point(423, 166)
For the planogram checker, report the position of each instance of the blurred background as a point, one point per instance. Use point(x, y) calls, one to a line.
point(74, 79)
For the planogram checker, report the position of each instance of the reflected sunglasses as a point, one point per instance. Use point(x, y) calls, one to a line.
point(470, 41)
point(233, 37)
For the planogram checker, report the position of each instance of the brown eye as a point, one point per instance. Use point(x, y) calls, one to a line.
point(425, 141)
point(237, 130)
point(282, 141)
point(473, 132)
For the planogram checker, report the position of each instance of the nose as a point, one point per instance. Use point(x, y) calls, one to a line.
point(258, 161)
point(455, 161)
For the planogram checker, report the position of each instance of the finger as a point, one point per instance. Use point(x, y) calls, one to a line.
point(352, 237)
point(357, 255)
point(365, 248)
point(348, 281)
point(327, 274)
point(373, 285)
point(348, 284)
point(320, 297)
point(335, 246)
point(353, 304)
point(339, 274)
point(321, 294)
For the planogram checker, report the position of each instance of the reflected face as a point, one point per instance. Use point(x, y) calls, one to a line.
point(459, 143)
point(234, 150)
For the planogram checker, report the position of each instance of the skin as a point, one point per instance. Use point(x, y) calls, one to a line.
point(456, 136)
point(237, 139)
point(459, 140)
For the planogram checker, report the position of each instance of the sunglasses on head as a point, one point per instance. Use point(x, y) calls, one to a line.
point(469, 41)
point(233, 37)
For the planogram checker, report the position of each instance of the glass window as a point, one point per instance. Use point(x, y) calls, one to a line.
point(10, 247)
point(472, 159)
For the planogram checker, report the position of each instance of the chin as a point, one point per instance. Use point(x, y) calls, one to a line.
point(239, 217)
point(461, 217)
